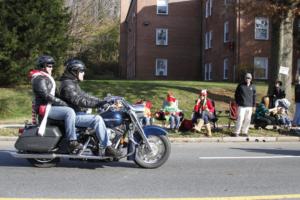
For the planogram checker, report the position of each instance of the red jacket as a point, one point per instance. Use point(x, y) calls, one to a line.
point(200, 106)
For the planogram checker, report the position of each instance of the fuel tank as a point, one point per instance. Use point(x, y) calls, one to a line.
point(112, 118)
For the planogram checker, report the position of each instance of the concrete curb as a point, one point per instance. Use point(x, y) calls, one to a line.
point(212, 139)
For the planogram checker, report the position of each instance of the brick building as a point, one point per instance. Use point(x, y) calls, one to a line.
point(160, 39)
point(195, 40)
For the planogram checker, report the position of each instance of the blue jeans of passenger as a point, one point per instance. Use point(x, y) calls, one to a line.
point(174, 121)
point(68, 115)
point(95, 122)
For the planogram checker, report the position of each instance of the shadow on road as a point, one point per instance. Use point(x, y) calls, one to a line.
point(271, 151)
point(7, 160)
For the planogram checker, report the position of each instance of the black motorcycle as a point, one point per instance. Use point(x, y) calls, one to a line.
point(148, 147)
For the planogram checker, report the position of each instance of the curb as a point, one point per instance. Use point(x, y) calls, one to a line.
point(210, 140)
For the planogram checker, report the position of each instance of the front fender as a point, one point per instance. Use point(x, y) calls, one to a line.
point(148, 130)
point(154, 130)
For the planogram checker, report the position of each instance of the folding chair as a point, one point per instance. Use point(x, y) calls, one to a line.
point(233, 108)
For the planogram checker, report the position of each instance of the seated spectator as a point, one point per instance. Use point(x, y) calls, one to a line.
point(147, 119)
point(203, 113)
point(283, 118)
point(277, 93)
point(171, 111)
point(262, 116)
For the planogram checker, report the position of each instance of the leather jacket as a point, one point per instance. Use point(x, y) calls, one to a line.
point(41, 86)
point(79, 100)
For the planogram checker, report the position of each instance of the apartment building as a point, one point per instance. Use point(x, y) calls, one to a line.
point(235, 42)
point(160, 39)
point(196, 40)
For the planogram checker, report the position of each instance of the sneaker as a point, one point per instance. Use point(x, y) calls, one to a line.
point(111, 152)
point(74, 147)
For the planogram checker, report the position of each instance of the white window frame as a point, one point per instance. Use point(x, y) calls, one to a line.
point(298, 67)
point(164, 69)
point(261, 24)
point(225, 68)
point(208, 71)
point(208, 8)
point(208, 40)
point(162, 3)
point(226, 31)
point(160, 42)
point(263, 60)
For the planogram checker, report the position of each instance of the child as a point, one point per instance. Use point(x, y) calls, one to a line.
point(283, 118)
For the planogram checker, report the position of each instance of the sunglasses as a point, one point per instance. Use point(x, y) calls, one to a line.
point(49, 65)
point(81, 71)
point(248, 78)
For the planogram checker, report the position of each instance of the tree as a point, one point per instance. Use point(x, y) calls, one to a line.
point(282, 13)
point(28, 29)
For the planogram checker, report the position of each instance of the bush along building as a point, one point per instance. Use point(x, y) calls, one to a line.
point(212, 40)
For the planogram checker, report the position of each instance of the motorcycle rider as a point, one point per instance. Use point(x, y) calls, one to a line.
point(47, 105)
point(79, 100)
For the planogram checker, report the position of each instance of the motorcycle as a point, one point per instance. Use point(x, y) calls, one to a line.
point(148, 146)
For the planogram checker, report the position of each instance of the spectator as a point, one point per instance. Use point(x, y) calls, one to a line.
point(283, 118)
point(278, 93)
point(147, 119)
point(203, 113)
point(245, 95)
point(262, 116)
point(296, 121)
point(171, 111)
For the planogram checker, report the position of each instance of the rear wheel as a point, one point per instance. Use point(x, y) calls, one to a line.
point(161, 149)
point(44, 162)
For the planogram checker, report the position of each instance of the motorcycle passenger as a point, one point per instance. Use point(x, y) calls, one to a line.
point(47, 105)
point(79, 100)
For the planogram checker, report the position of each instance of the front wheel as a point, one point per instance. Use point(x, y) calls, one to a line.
point(44, 163)
point(161, 149)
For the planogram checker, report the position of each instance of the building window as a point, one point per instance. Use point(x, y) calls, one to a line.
point(161, 36)
point(225, 68)
point(261, 28)
point(208, 8)
point(161, 67)
point(208, 40)
point(260, 67)
point(226, 31)
point(298, 67)
point(162, 7)
point(208, 72)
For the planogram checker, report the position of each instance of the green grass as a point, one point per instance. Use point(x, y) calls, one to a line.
point(15, 103)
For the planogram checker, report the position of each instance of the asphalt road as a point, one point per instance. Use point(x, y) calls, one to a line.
point(193, 170)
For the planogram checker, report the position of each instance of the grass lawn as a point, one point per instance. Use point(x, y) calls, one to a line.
point(15, 103)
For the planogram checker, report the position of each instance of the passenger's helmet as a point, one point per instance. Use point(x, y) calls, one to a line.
point(43, 60)
point(74, 66)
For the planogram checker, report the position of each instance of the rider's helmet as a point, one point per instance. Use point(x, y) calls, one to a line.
point(74, 66)
point(44, 60)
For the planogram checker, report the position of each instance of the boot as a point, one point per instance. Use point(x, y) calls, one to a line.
point(208, 129)
point(74, 147)
point(199, 125)
point(111, 152)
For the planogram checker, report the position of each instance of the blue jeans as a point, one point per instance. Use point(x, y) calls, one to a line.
point(146, 121)
point(68, 115)
point(95, 122)
point(205, 115)
point(174, 121)
point(296, 120)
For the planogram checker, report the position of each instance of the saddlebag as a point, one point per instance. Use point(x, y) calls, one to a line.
point(32, 142)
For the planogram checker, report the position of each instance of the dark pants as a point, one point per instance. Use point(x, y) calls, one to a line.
point(265, 121)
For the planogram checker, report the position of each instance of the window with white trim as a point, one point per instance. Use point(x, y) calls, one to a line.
point(298, 67)
point(226, 31)
point(161, 36)
point(161, 67)
point(261, 28)
point(208, 71)
point(208, 8)
point(208, 40)
point(260, 67)
point(162, 7)
point(225, 68)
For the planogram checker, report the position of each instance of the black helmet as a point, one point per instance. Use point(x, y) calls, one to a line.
point(43, 60)
point(74, 65)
